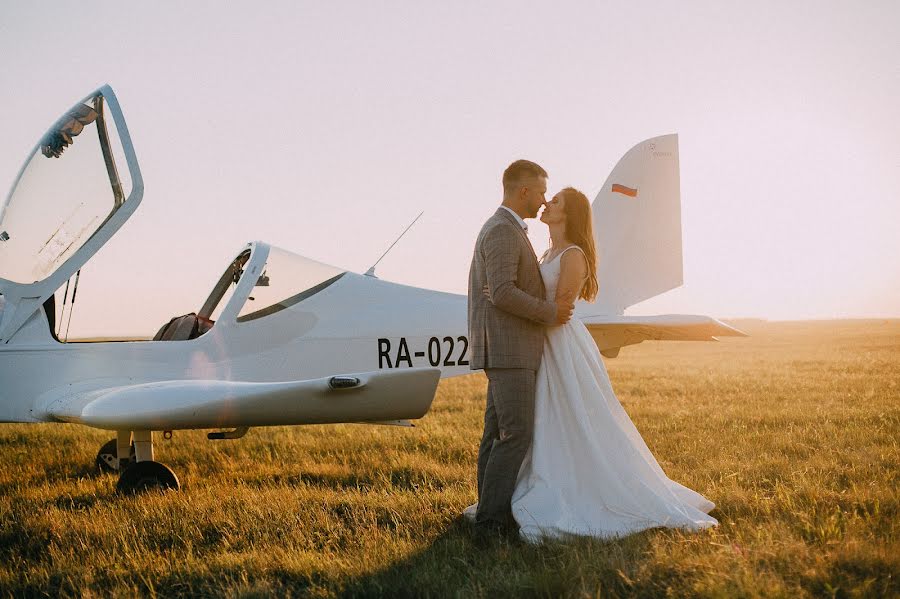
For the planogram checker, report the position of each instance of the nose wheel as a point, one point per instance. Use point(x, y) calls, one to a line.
point(139, 472)
point(141, 477)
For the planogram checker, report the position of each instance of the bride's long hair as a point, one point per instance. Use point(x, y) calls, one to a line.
point(580, 231)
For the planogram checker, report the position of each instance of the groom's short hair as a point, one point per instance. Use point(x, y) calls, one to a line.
point(518, 171)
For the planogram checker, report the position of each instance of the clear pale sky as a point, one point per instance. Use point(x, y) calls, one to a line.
point(324, 128)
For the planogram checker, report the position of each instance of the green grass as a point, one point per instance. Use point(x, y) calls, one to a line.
point(793, 432)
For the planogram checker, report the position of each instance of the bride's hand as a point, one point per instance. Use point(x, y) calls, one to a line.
point(564, 309)
point(486, 292)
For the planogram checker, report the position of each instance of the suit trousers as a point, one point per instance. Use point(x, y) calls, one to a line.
point(508, 428)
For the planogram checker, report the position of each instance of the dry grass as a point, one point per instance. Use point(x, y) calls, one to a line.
point(792, 432)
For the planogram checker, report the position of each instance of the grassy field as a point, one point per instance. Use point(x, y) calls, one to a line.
point(793, 432)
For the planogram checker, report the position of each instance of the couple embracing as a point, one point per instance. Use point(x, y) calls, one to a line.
point(559, 456)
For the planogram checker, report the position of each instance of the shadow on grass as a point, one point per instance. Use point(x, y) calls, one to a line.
point(51, 474)
point(454, 566)
point(397, 479)
point(67, 471)
point(80, 502)
point(310, 479)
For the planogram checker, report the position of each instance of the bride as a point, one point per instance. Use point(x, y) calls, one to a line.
point(588, 471)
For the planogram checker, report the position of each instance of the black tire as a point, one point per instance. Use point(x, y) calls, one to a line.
point(106, 457)
point(141, 477)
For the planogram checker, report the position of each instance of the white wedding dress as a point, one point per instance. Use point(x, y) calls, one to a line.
point(588, 471)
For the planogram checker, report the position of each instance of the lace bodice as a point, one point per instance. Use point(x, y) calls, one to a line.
point(550, 270)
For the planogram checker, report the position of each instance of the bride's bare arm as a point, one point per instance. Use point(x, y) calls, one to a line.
point(573, 272)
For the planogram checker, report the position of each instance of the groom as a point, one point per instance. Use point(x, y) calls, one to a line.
point(506, 333)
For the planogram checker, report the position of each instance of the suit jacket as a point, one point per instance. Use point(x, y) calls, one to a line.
point(506, 330)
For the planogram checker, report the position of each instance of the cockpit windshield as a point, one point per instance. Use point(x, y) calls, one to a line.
point(287, 279)
point(67, 190)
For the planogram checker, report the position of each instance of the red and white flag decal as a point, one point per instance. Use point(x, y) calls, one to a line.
point(628, 191)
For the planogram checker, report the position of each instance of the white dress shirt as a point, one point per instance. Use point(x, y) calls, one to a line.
point(518, 218)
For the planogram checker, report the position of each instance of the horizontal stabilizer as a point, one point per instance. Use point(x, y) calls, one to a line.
point(192, 404)
point(613, 332)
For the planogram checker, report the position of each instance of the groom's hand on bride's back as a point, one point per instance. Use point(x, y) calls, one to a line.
point(564, 311)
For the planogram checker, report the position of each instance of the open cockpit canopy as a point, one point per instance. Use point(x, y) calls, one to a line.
point(80, 183)
point(70, 186)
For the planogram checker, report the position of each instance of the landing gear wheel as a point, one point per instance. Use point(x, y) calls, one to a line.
point(106, 457)
point(146, 476)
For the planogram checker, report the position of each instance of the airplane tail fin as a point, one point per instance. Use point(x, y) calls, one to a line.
point(637, 227)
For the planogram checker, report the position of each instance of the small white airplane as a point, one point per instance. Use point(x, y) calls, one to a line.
point(281, 339)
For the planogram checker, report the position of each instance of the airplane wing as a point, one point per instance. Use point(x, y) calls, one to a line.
point(613, 332)
point(194, 404)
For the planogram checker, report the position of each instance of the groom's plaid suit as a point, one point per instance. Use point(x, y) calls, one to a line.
point(506, 337)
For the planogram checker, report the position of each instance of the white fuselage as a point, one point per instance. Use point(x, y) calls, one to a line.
point(357, 324)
